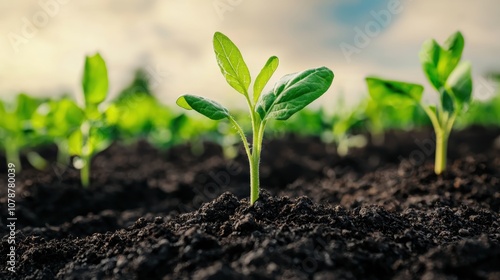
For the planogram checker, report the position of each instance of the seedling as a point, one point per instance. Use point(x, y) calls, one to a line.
point(290, 94)
point(343, 124)
point(58, 119)
point(91, 138)
point(452, 80)
point(15, 127)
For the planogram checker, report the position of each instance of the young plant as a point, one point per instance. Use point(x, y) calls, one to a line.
point(15, 127)
point(343, 124)
point(58, 119)
point(290, 94)
point(92, 136)
point(450, 77)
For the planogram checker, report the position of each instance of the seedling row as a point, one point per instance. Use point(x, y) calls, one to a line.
point(82, 130)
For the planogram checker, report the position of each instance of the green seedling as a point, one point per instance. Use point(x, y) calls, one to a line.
point(289, 95)
point(450, 77)
point(58, 119)
point(92, 137)
point(16, 131)
point(344, 122)
point(134, 111)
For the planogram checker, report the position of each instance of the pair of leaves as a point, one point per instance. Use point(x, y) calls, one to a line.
point(15, 120)
point(58, 118)
point(100, 139)
point(442, 66)
point(235, 70)
point(456, 93)
point(292, 93)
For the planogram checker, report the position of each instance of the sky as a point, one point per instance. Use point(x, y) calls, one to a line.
point(43, 43)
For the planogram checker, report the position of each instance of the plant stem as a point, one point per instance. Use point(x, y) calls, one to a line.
point(85, 156)
point(255, 164)
point(12, 154)
point(441, 152)
point(254, 177)
point(63, 156)
point(85, 171)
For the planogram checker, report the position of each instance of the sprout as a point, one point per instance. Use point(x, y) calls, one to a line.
point(289, 95)
point(92, 136)
point(450, 77)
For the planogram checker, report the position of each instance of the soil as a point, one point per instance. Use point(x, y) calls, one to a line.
point(379, 213)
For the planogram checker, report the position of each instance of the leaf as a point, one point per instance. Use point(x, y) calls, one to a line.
point(75, 143)
point(231, 63)
point(57, 118)
point(264, 76)
point(429, 58)
point(206, 107)
point(447, 101)
point(26, 106)
point(95, 80)
point(452, 48)
point(460, 83)
point(439, 61)
point(293, 92)
point(394, 93)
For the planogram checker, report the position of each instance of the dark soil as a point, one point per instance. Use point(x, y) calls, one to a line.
point(378, 213)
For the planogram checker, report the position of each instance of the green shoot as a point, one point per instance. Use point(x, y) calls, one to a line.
point(91, 138)
point(15, 127)
point(451, 79)
point(343, 124)
point(291, 94)
point(58, 119)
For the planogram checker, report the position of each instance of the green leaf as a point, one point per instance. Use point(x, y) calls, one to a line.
point(26, 106)
point(394, 93)
point(439, 61)
point(231, 63)
point(57, 118)
point(95, 80)
point(204, 106)
point(99, 139)
point(460, 83)
point(75, 143)
point(453, 48)
point(293, 92)
point(429, 58)
point(447, 101)
point(264, 76)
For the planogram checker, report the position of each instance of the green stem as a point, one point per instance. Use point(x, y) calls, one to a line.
point(254, 177)
point(62, 152)
point(85, 171)
point(441, 152)
point(255, 164)
point(243, 137)
point(12, 155)
point(85, 156)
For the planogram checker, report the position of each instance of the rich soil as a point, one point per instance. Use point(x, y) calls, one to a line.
point(378, 213)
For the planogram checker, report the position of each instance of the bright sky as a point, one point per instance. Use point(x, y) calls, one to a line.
point(43, 43)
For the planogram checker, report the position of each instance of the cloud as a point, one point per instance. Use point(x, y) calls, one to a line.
point(173, 39)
